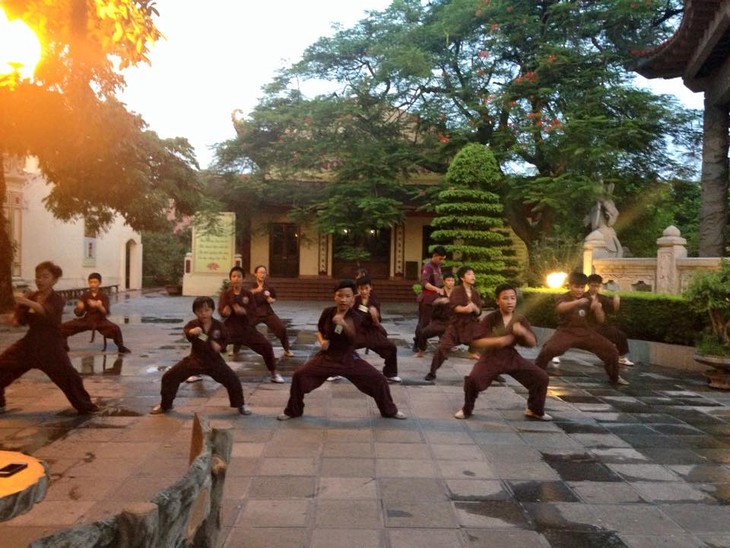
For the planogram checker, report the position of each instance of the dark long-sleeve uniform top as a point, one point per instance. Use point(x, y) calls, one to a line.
point(492, 325)
point(261, 304)
point(236, 323)
point(464, 324)
point(342, 341)
point(91, 314)
point(366, 322)
point(608, 308)
point(442, 310)
point(577, 316)
point(202, 350)
point(44, 330)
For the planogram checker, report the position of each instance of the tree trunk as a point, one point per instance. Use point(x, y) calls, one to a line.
point(713, 208)
point(6, 249)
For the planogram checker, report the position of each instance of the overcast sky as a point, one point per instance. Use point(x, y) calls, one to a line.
point(219, 53)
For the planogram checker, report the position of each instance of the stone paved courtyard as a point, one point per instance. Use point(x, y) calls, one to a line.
point(642, 466)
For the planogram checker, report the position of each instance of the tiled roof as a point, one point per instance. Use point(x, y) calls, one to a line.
point(670, 58)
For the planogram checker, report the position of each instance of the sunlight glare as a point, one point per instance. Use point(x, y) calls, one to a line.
point(20, 49)
point(556, 280)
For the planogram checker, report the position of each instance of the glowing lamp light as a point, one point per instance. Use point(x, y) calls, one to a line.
point(556, 280)
point(20, 49)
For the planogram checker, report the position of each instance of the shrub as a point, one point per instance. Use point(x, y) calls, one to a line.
point(644, 316)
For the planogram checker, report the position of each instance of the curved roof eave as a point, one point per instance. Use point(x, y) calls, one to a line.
point(671, 58)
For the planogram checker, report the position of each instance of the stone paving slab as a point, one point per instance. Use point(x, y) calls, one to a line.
point(641, 466)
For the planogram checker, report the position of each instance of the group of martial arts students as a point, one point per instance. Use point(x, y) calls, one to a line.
point(353, 322)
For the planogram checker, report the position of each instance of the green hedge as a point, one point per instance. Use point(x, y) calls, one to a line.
point(643, 316)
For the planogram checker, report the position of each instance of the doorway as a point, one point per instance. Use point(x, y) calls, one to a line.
point(284, 250)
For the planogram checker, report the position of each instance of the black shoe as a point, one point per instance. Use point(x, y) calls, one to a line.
point(123, 350)
point(430, 376)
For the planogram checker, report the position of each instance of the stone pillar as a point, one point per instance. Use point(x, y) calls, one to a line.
point(670, 247)
point(398, 270)
point(594, 246)
point(713, 209)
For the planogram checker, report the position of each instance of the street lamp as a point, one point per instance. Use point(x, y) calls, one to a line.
point(20, 51)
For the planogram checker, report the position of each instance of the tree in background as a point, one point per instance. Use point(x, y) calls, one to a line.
point(97, 156)
point(469, 218)
point(545, 84)
point(163, 256)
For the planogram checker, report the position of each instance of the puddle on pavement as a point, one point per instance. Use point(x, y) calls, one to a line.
point(113, 412)
point(551, 523)
point(542, 491)
point(494, 513)
point(134, 319)
point(570, 538)
point(30, 440)
point(104, 364)
point(579, 467)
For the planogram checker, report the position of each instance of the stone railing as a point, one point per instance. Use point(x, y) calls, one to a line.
point(185, 514)
point(669, 272)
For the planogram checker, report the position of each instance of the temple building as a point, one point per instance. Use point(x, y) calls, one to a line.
point(698, 53)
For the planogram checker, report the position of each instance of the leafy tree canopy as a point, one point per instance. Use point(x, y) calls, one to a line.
point(546, 84)
point(98, 157)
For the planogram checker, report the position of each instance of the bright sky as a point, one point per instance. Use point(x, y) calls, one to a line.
point(219, 53)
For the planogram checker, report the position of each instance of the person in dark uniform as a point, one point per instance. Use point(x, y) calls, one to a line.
point(236, 306)
point(42, 347)
point(574, 330)
point(370, 333)
point(611, 332)
point(336, 331)
point(264, 296)
point(431, 288)
point(466, 306)
point(440, 316)
point(208, 338)
point(497, 335)
point(91, 311)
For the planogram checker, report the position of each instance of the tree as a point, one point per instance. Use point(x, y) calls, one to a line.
point(469, 216)
point(351, 189)
point(544, 83)
point(97, 156)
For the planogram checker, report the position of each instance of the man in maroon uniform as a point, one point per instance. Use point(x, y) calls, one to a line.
point(466, 306)
point(440, 316)
point(370, 333)
point(574, 331)
point(610, 305)
point(430, 289)
point(236, 306)
point(208, 337)
point(498, 334)
point(42, 346)
point(263, 297)
point(336, 331)
point(92, 309)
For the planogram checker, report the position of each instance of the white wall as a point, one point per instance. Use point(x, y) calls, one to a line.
point(45, 238)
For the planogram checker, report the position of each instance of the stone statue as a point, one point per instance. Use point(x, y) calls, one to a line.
point(601, 219)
